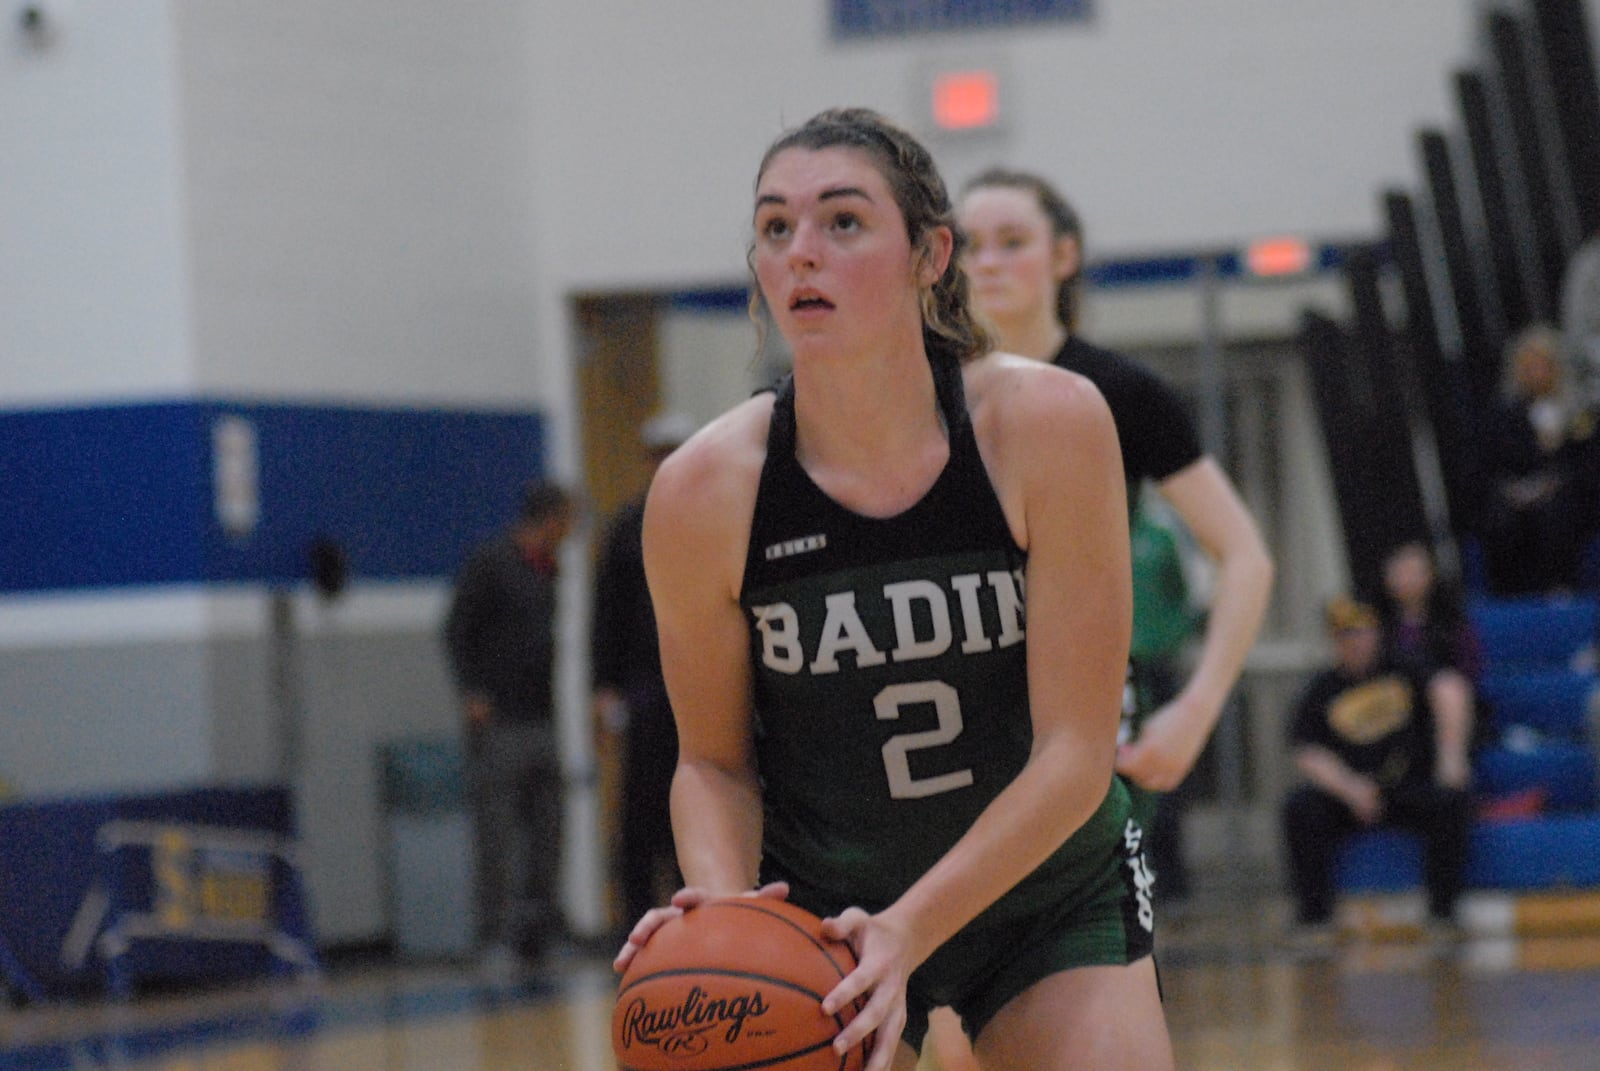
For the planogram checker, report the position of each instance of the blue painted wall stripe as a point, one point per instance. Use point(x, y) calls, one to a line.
point(1104, 274)
point(122, 495)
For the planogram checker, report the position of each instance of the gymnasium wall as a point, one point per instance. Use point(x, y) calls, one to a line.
point(384, 207)
point(93, 260)
point(1173, 126)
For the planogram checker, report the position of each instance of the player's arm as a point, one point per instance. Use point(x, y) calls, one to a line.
point(696, 527)
point(1209, 505)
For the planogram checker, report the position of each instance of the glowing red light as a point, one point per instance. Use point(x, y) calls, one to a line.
point(966, 100)
point(1278, 256)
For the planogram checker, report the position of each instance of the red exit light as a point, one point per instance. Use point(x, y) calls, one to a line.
point(966, 100)
point(1278, 256)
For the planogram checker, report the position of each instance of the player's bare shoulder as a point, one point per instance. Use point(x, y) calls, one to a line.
point(1019, 403)
point(703, 495)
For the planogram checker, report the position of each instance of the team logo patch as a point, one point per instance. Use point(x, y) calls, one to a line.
point(790, 547)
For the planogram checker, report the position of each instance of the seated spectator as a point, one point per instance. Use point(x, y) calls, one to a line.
point(1539, 455)
point(1424, 617)
point(1425, 623)
point(1375, 750)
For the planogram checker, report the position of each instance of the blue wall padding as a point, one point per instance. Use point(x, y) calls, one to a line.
point(122, 495)
point(97, 497)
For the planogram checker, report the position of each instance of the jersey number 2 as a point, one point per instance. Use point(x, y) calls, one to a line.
point(896, 763)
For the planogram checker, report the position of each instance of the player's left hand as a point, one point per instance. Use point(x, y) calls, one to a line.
point(884, 964)
point(1166, 750)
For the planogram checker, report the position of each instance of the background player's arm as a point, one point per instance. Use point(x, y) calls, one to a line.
point(1171, 740)
point(696, 521)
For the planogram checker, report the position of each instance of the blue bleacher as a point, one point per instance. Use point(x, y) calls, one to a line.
point(1536, 694)
point(1538, 720)
point(1522, 854)
point(1536, 701)
point(1534, 634)
point(1552, 702)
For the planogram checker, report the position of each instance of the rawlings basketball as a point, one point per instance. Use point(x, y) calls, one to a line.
point(734, 983)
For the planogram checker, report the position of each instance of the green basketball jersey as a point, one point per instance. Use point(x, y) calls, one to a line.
point(889, 659)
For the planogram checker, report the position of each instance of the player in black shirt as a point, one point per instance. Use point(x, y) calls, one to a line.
point(1025, 260)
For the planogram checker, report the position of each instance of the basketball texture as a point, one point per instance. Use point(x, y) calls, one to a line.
point(734, 983)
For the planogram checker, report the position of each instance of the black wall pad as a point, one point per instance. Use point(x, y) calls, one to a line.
point(1536, 196)
point(1508, 245)
point(1368, 515)
point(1479, 357)
point(1569, 62)
point(1418, 346)
point(1392, 390)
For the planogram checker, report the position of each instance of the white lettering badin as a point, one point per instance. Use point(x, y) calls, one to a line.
point(844, 632)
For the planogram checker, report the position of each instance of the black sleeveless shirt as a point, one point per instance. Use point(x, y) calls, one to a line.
point(889, 662)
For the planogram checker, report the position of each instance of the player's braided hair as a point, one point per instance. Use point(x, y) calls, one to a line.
point(950, 329)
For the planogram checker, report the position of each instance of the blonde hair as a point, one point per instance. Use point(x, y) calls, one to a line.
point(1538, 335)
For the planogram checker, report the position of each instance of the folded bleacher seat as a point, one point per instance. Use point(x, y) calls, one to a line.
point(1536, 632)
point(1553, 702)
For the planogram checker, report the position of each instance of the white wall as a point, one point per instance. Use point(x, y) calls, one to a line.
point(1170, 125)
point(93, 299)
point(392, 199)
point(709, 362)
point(359, 182)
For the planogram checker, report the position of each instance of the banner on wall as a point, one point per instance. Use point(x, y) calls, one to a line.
point(879, 18)
point(101, 893)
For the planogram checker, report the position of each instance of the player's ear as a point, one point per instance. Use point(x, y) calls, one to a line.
point(1066, 257)
point(934, 256)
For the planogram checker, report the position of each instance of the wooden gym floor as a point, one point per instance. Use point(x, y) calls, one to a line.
point(1238, 999)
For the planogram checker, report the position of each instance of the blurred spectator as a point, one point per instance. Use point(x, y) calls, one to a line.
point(1580, 313)
point(1374, 750)
point(1425, 623)
point(500, 637)
point(1424, 616)
point(631, 710)
point(1539, 453)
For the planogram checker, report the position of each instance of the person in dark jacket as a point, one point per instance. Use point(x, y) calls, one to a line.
point(631, 712)
point(500, 637)
point(1539, 450)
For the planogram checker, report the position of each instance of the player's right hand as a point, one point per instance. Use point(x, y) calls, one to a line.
point(683, 900)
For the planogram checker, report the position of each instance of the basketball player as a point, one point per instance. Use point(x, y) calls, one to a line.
point(1025, 260)
point(868, 722)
